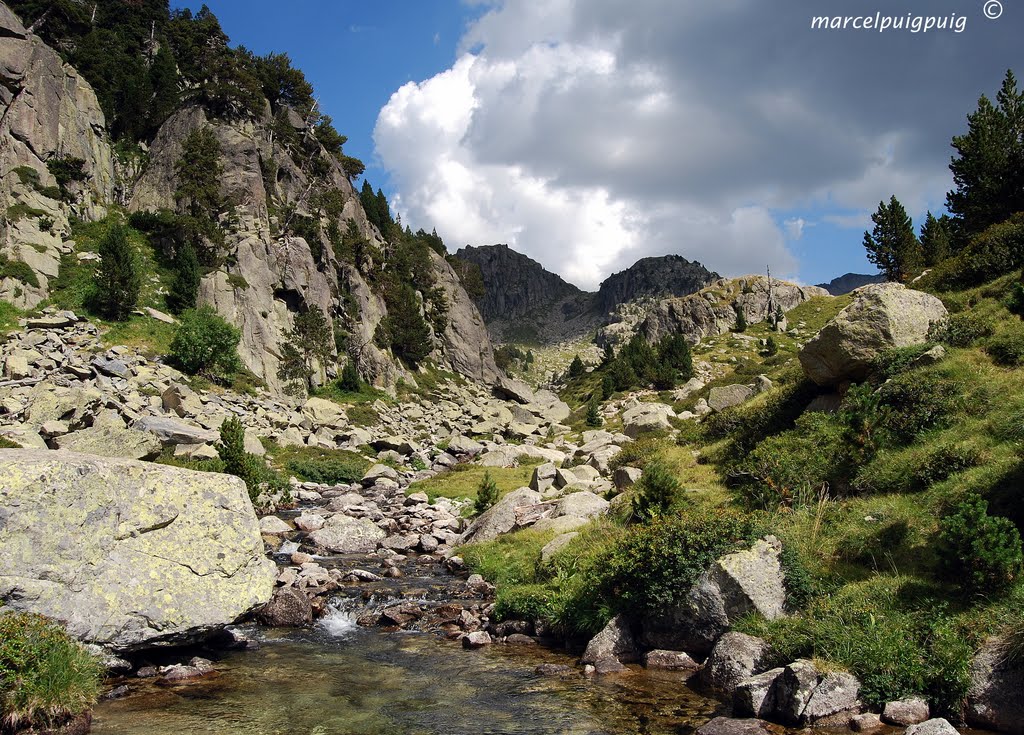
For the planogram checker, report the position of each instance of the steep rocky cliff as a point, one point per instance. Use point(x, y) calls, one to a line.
point(514, 284)
point(48, 113)
point(288, 232)
point(668, 275)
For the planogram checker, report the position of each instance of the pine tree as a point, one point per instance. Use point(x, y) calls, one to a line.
point(988, 170)
point(199, 172)
point(309, 342)
point(674, 352)
point(892, 244)
point(185, 288)
point(486, 493)
point(576, 368)
point(936, 239)
point(608, 355)
point(741, 319)
point(408, 333)
point(349, 380)
point(607, 387)
point(118, 281)
point(771, 347)
point(594, 419)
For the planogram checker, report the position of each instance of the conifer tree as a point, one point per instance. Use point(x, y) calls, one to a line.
point(594, 419)
point(118, 281)
point(576, 368)
point(892, 244)
point(936, 239)
point(185, 288)
point(309, 342)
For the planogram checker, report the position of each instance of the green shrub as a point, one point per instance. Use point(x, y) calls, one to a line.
point(995, 251)
point(594, 419)
point(18, 270)
point(981, 552)
point(185, 287)
point(917, 470)
point(205, 343)
point(327, 466)
point(525, 602)
point(1014, 299)
point(911, 404)
point(1007, 348)
point(45, 676)
point(349, 380)
point(486, 494)
point(654, 565)
point(896, 360)
point(960, 330)
point(657, 492)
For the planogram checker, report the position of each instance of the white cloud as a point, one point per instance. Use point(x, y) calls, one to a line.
point(589, 133)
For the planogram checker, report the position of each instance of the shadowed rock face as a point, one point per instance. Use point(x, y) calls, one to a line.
point(128, 554)
point(849, 282)
point(669, 275)
point(514, 284)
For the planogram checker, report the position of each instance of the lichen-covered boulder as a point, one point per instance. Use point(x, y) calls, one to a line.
point(128, 554)
point(737, 584)
point(994, 699)
point(882, 316)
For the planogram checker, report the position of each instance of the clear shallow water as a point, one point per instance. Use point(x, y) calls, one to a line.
point(342, 680)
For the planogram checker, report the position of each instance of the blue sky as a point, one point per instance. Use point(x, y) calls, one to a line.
point(590, 133)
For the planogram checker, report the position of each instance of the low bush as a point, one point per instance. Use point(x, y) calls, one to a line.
point(1007, 347)
point(960, 330)
point(45, 676)
point(658, 492)
point(205, 343)
point(325, 466)
point(654, 565)
point(982, 553)
point(918, 469)
point(525, 602)
point(995, 251)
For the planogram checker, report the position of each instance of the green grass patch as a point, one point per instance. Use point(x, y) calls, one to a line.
point(463, 481)
point(149, 336)
point(9, 316)
point(315, 464)
point(45, 676)
point(18, 270)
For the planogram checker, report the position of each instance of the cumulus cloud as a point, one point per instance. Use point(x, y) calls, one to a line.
point(590, 133)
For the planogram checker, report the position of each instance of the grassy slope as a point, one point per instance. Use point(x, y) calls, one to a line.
point(871, 595)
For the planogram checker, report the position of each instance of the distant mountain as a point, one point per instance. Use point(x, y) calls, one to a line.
point(514, 284)
point(848, 282)
point(523, 301)
point(665, 276)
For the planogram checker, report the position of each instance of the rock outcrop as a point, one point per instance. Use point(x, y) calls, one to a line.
point(128, 554)
point(47, 111)
point(712, 310)
point(994, 699)
point(848, 282)
point(881, 316)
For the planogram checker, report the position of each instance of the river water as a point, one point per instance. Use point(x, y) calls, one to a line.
point(338, 679)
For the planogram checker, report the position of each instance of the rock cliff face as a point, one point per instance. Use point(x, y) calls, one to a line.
point(267, 274)
point(669, 275)
point(523, 301)
point(515, 285)
point(713, 310)
point(47, 111)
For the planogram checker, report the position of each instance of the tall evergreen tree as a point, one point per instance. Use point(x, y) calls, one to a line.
point(309, 342)
point(936, 239)
point(988, 170)
point(408, 332)
point(892, 244)
point(199, 171)
point(118, 281)
point(185, 288)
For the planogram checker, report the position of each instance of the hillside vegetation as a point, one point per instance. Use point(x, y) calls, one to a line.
point(899, 509)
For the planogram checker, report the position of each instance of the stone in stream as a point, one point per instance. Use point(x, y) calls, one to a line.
point(735, 657)
point(274, 526)
point(938, 726)
point(614, 643)
point(904, 712)
point(342, 534)
point(868, 722)
point(730, 726)
point(145, 555)
point(476, 639)
point(670, 660)
point(289, 608)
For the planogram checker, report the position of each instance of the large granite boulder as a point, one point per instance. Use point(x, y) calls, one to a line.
point(500, 518)
point(995, 698)
point(735, 657)
point(646, 418)
point(613, 646)
point(128, 554)
point(737, 584)
point(345, 535)
point(882, 316)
